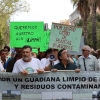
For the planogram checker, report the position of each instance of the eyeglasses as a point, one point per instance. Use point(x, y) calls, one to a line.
point(65, 53)
point(84, 50)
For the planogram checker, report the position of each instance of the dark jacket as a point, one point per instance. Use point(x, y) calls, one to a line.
point(10, 64)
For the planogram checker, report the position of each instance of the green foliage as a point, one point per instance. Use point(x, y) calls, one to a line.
point(89, 28)
point(7, 8)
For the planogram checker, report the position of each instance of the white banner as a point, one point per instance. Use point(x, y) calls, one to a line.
point(61, 85)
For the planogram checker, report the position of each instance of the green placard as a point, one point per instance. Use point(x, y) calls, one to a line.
point(64, 36)
point(26, 33)
point(45, 40)
point(35, 50)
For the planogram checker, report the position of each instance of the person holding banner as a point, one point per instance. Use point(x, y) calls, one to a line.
point(87, 62)
point(50, 62)
point(64, 63)
point(28, 64)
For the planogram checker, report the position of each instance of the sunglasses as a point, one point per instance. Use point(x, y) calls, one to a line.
point(84, 50)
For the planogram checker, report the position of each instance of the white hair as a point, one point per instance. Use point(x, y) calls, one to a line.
point(87, 47)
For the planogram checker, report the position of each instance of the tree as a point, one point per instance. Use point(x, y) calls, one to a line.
point(89, 27)
point(91, 4)
point(94, 4)
point(84, 10)
point(7, 8)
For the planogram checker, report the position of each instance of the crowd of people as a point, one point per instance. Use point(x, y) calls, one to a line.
point(22, 60)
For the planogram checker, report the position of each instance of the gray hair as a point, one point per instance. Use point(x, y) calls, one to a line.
point(87, 47)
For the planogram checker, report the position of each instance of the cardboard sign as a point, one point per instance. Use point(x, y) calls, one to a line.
point(63, 36)
point(45, 41)
point(80, 48)
point(26, 33)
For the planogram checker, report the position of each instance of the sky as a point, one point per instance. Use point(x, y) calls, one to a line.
point(47, 11)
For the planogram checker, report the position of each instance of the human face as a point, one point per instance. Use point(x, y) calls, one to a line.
point(7, 52)
point(64, 55)
point(55, 52)
point(18, 51)
point(3, 55)
point(85, 52)
point(26, 54)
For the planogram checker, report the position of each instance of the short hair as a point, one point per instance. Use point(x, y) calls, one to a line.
point(48, 51)
point(55, 50)
point(98, 53)
point(2, 50)
point(59, 53)
point(7, 47)
point(27, 46)
point(88, 48)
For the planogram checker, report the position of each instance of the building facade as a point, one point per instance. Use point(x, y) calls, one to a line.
point(74, 17)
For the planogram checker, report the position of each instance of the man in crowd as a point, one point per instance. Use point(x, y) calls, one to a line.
point(64, 63)
point(12, 61)
point(87, 62)
point(3, 58)
point(47, 54)
point(50, 63)
point(27, 63)
point(7, 50)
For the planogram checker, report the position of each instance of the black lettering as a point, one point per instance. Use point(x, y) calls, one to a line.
point(31, 87)
point(38, 86)
point(64, 86)
point(52, 86)
point(77, 87)
point(41, 79)
point(48, 79)
point(69, 86)
point(42, 86)
point(36, 80)
point(64, 80)
point(22, 86)
point(27, 87)
point(59, 86)
point(47, 86)
point(5, 79)
point(74, 86)
point(76, 78)
point(16, 85)
point(26, 80)
point(57, 79)
point(17, 79)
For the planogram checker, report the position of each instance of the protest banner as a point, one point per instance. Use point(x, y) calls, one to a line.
point(45, 40)
point(64, 36)
point(51, 85)
point(26, 33)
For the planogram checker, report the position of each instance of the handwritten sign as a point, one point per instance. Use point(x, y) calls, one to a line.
point(80, 48)
point(63, 36)
point(26, 33)
point(35, 50)
point(45, 40)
